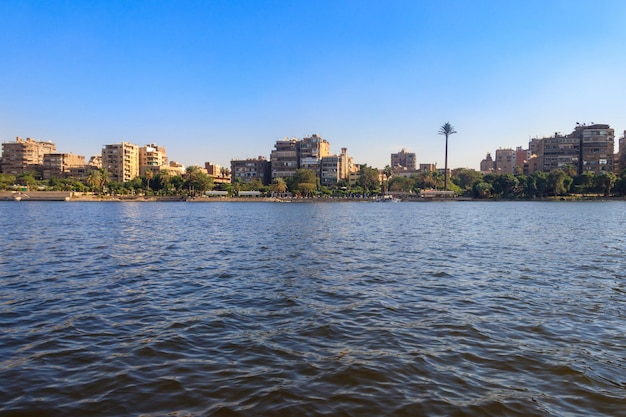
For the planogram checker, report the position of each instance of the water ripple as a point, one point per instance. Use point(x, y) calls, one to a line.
point(312, 309)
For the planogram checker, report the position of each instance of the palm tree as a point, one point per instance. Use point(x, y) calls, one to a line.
point(279, 185)
point(149, 174)
point(388, 173)
point(447, 129)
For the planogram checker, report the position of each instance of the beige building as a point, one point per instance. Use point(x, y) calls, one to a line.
point(404, 159)
point(24, 155)
point(487, 165)
point(152, 157)
point(311, 150)
point(121, 160)
point(335, 168)
point(505, 161)
point(60, 165)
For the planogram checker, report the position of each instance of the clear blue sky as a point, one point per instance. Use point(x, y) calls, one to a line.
point(221, 80)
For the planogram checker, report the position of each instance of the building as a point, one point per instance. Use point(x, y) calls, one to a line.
point(174, 168)
point(404, 160)
point(621, 165)
point(589, 148)
point(336, 168)
point(249, 169)
point(521, 157)
point(596, 144)
point(284, 158)
point(505, 161)
point(24, 155)
point(311, 150)
point(62, 165)
point(219, 174)
point(121, 160)
point(487, 165)
point(152, 157)
point(428, 168)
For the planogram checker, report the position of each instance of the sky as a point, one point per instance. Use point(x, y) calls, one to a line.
point(213, 81)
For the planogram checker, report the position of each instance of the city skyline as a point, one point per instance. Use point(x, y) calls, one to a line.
point(223, 80)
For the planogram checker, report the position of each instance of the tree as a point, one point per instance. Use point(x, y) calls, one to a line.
point(401, 184)
point(98, 179)
point(304, 182)
point(279, 185)
point(369, 178)
point(148, 175)
point(447, 129)
point(27, 179)
point(6, 180)
point(557, 184)
point(387, 172)
point(481, 189)
point(466, 178)
point(541, 182)
point(605, 182)
point(197, 181)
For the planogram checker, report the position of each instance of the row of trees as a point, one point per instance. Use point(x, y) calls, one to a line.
point(464, 182)
point(560, 182)
point(194, 181)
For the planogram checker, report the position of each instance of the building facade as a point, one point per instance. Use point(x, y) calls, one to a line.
point(62, 165)
point(121, 160)
point(24, 155)
point(152, 157)
point(284, 158)
point(597, 143)
point(505, 161)
point(311, 150)
point(249, 169)
point(404, 160)
point(487, 165)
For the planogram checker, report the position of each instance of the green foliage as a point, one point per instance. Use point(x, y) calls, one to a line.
point(6, 181)
point(466, 178)
point(369, 179)
point(303, 182)
point(401, 184)
point(557, 183)
point(197, 181)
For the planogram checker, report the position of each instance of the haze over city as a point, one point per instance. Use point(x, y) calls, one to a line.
point(221, 80)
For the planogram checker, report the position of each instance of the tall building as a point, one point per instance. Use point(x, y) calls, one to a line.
point(24, 155)
point(250, 169)
point(311, 150)
point(152, 157)
point(505, 161)
point(597, 142)
point(284, 158)
point(335, 168)
point(60, 165)
point(589, 148)
point(557, 151)
point(404, 160)
point(622, 154)
point(121, 160)
point(219, 174)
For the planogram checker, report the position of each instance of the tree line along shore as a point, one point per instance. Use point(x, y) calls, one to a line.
point(463, 183)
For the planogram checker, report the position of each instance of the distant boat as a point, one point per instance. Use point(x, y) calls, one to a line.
point(387, 199)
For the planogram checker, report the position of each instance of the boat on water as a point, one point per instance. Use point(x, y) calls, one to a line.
point(387, 199)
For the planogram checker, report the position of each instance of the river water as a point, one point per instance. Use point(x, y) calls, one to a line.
point(346, 309)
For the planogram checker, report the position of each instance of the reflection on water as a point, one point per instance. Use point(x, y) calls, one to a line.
point(312, 309)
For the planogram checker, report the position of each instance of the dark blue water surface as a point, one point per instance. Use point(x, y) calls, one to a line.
point(347, 309)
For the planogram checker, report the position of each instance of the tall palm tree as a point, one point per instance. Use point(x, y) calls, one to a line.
point(447, 129)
